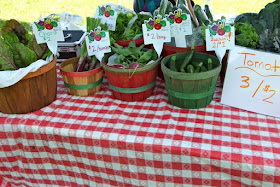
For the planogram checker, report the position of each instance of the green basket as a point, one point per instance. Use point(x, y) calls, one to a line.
point(191, 90)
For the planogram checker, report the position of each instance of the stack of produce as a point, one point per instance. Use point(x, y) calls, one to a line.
point(87, 63)
point(128, 26)
point(18, 48)
point(260, 30)
point(189, 65)
point(131, 56)
point(201, 17)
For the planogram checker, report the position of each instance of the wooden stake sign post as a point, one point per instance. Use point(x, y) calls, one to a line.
point(252, 81)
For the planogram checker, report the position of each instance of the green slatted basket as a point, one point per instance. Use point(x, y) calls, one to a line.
point(191, 90)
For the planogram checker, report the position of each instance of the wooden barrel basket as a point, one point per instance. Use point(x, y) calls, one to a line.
point(191, 90)
point(33, 92)
point(80, 83)
point(131, 84)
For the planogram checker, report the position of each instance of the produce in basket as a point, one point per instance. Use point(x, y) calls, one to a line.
point(201, 17)
point(188, 64)
point(87, 63)
point(260, 30)
point(18, 48)
point(128, 26)
point(131, 56)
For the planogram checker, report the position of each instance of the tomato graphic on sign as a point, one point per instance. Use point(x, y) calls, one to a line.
point(97, 34)
point(220, 28)
point(155, 23)
point(176, 16)
point(46, 24)
point(106, 11)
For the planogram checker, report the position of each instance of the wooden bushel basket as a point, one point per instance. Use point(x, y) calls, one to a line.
point(191, 90)
point(80, 83)
point(33, 92)
point(131, 84)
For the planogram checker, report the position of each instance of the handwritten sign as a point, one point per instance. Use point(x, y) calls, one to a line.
point(180, 25)
point(98, 43)
point(156, 31)
point(47, 30)
point(252, 81)
point(108, 15)
point(219, 38)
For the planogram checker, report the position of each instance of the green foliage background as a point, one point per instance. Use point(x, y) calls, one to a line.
point(27, 11)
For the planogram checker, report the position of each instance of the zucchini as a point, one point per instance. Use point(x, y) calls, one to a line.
point(190, 69)
point(200, 15)
point(210, 64)
point(197, 69)
point(169, 7)
point(208, 12)
point(203, 68)
point(172, 63)
point(187, 60)
point(162, 7)
point(184, 9)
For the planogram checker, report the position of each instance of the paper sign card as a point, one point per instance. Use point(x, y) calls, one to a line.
point(98, 43)
point(71, 18)
point(180, 25)
point(156, 31)
point(219, 38)
point(108, 15)
point(47, 30)
point(252, 81)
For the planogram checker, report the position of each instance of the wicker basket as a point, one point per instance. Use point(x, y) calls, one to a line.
point(80, 83)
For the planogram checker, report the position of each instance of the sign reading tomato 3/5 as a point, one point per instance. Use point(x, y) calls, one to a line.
point(252, 81)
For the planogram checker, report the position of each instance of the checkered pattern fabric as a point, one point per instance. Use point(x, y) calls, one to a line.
point(100, 141)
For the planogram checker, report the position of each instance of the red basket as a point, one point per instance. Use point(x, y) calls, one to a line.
point(125, 43)
point(131, 84)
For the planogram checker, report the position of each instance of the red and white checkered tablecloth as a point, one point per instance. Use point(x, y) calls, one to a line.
point(100, 141)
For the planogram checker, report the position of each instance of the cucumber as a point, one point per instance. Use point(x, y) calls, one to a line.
point(208, 12)
point(197, 70)
point(172, 63)
point(203, 68)
point(200, 15)
point(190, 69)
point(195, 63)
point(187, 60)
point(184, 9)
point(210, 64)
point(169, 7)
point(181, 2)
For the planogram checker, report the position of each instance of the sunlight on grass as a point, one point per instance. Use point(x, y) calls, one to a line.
point(32, 10)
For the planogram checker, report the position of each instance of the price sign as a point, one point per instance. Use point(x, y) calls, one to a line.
point(98, 43)
point(180, 25)
point(156, 31)
point(252, 81)
point(219, 38)
point(47, 30)
point(108, 15)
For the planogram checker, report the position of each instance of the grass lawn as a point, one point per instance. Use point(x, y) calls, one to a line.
point(32, 10)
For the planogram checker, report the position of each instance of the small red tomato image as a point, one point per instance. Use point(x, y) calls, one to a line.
point(49, 26)
point(221, 32)
point(178, 20)
point(97, 37)
point(107, 14)
point(157, 26)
